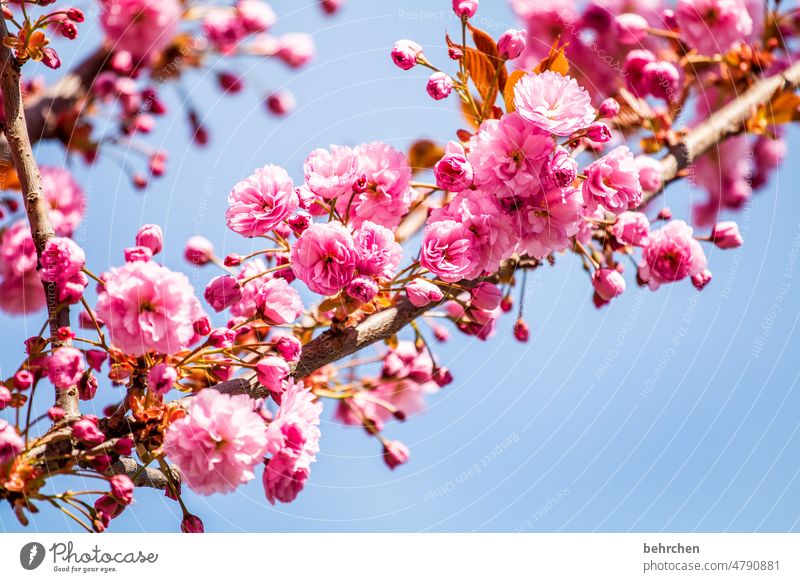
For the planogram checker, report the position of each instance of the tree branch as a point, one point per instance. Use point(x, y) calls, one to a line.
point(19, 148)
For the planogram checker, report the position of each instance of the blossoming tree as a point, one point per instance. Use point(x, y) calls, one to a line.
point(538, 171)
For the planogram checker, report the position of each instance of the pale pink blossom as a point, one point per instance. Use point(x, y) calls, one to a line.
point(140, 27)
point(256, 15)
point(405, 53)
point(331, 173)
point(147, 307)
point(150, 236)
point(726, 235)
point(161, 378)
point(65, 197)
point(65, 366)
point(379, 254)
point(261, 202)
point(278, 302)
point(713, 26)
point(613, 182)
point(453, 172)
point(222, 292)
point(325, 257)
point(421, 292)
point(554, 103)
point(295, 49)
point(508, 156)
point(218, 442)
point(631, 228)
point(439, 86)
point(672, 254)
point(272, 373)
point(11, 444)
point(293, 443)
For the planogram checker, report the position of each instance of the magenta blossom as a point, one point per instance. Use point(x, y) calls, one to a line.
point(61, 259)
point(330, 174)
point(421, 292)
point(453, 172)
point(11, 444)
point(324, 258)
point(405, 54)
point(140, 27)
point(161, 378)
point(713, 26)
point(65, 368)
point(379, 254)
point(222, 292)
point(631, 228)
point(613, 182)
point(449, 251)
point(672, 254)
point(218, 442)
point(278, 303)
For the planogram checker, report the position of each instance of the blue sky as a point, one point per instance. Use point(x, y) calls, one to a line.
point(672, 411)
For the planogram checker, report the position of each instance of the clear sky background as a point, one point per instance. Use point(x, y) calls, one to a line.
point(668, 411)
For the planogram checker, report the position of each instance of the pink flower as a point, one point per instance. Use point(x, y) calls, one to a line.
point(662, 79)
point(613, 182)
point(485, 296)
point(293, 443)
point(218, 442)
point(11, 443)
point(608, 283)
point(65, 368)
point(281, 102)
point(261, 202)
point(672, 254)
point(70, 290)
point(255, 15)
point(508, 156)
point(465, 8)
point(278, 303)
point(65, 197)
point(134, 254)
point(713, 26)
point(192, 524)
point(140, 27)
point(440, 85)
point(422, 292)
point(512, 43)
point(631, 28)
point(453, 172)
point(546, 223)
point(85, 431)
point(122, 489)
point(631, 228)
point(449, 251)
point(379, 254)
point(562, 168)
point(161, 378)
point(17, 251)
point(362, 289)
point(147, 307)
point(324, 258)
point(61, 259)
point(330, 174)
point(295, 49)
point(287, 346)
point(726, 235)
point(553, 103)
point(702, 279)
point(150, 236)
point(22, 294)
point(223, 28)
point(272, 373)
point(387, 194)
point(405, 53)
point(395, 454)
point(609, 108)
point(199, 250)
point(5, 397)
point(650, 173)
point(222, 292)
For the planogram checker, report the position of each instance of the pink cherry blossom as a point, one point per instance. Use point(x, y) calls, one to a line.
point(405, 53)
point(150, 236)
point(255, 15)
point(293, 443)
point(273, 373)
point(546, 223)
point(508, 156)
point(512, 43)
point(277, 302)
point(140, 27)
point(613, 182)
point(395, 454)
point(199, 250)
point(387, 194)
point(86, 432)
point(11, 444)
point(453, 172)
point(147, 307)
point(65, 367)
point(295, 49)
point(672, 254)
point(325, 257)
point(449, 251)
point(161, 378)
point(66, 199)
point(439, 86)
point(608, 283)
point(222, 292)
point(379, 254)
point(553, 103)
point(330, 174)
point(421, 292)
point(218, 442)
point(61, 259)
point(713, 26)
point(631, 228)
point(261, 202)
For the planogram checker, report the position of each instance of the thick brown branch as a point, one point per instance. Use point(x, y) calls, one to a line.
point(141, 476)
point(19, 148)
point(727, 121)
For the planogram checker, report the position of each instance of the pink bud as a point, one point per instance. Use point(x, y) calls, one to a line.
point(281, 102)
point(701, 279)
point(272, 372)
point(395, 454)
point(23, 380)
point(521, 330)
point(199, 250)
point(455, 53)
point(609, 108)
point(465, 8)
point(665, 214)
point(631, 28)
point(150, 236)
point(122, 489)
point(422, 292)
point(229, 82)
point(87, 387)
point(75, 14)
point(233, 260)
point(123, 446)
point(512, 43)
point(288, 347)
point(192, 524)
point(453, 172)
point(5, 397)
point(101, 463)
point(442, 377)
point(138, 254)
point(202, 326)
point(222, 292)
point(85, 431)
point(162, 378)
point(439, 86)
point(56, 413)
point(662, 80)
point(331, 6)
point(608, 283)
point(631, 228)
point(405, 54)
point(362, 289)
point(726, 235)
point(599, 133)
point(486, 296)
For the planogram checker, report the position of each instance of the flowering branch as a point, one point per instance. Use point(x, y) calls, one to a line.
point(19, 144)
